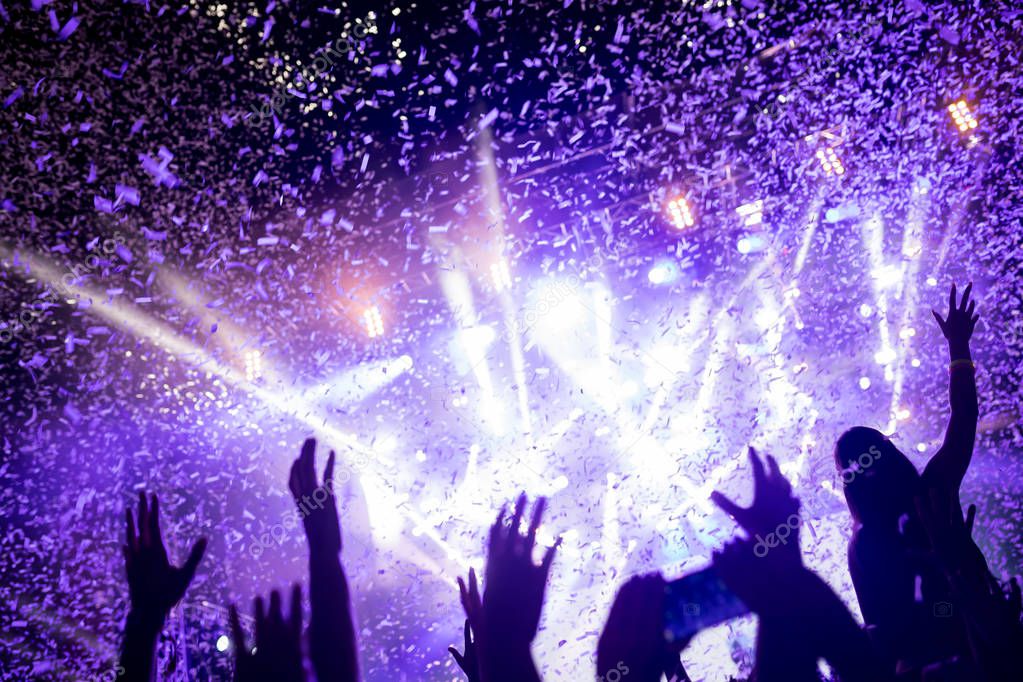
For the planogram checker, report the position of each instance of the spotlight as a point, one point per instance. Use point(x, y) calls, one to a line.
point(830, 161)
point(501, 275)
point(253, 365)
point(680, 213)
point(223, 643)
point(864, 383)
point(752, 213)
point(962, 116)
point(373, 321)
point(751, 243)
point(664, 272)
point(837, 214)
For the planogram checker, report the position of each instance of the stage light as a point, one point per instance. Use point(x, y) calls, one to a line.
point(223, 643)
point(501, 276)
point(866, 310)
point(664, 272)
point(921, 447)
point(752, 213)
point(932, 282)
point(253, 365)
point(830, 161)
point(962, 116)
point(864, 383)
point(751, 243)
point(373, 322)
point(837, 214)
point(680, 213)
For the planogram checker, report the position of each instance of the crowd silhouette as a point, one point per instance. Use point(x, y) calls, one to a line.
point(932, 609)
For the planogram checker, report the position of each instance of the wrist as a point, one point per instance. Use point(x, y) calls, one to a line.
point(146, 621)
point(959, 350)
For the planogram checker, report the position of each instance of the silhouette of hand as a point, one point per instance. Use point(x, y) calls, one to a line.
point(958, 326)
point(514, 586)
point(467, 661)
point(773, 503)
point(762, 583)
point(154, 585)
point(316, 502)
point(632, 642)
point(277, 656)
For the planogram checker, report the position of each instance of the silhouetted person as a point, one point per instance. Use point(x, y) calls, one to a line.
point(888, 549)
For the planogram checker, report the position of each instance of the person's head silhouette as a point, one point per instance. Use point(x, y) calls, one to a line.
point(879, 481)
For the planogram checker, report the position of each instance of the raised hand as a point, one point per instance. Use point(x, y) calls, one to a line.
point(316, 502)
point(277, 656)
point(467, 661)
point(332, 643)
point(961, 320)
point(773, 503)
point(506, 619)
point(514, 585)
point(154, 585)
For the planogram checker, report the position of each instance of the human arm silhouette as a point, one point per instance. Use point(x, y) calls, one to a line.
point(154, 587)
point(277, 652)
point(952, 460)
point(506, 618)
point(332, 644)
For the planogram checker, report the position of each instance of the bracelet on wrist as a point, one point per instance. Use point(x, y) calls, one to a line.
point(955, 364)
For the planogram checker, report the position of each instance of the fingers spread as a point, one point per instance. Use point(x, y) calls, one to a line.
point(726, 505)
point(457, 656)
point(275, 615)
point(534, 524)
point(758, 467)
point(154, 522)
point(520, 506)
point(309, 464)
point(143, 521)
point(237, 634)
point(133, 541)
point(966, 296)
point(328, 472)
